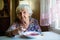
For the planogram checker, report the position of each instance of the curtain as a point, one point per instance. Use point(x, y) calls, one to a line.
point(50, 13)
point(54, 11)
point(44, 15)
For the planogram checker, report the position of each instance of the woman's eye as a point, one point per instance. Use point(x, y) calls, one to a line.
point(24, 12)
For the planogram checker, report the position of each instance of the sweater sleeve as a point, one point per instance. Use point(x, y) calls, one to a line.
point(36, 26)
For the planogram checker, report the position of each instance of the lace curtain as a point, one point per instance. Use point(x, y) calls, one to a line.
point(44, 15)
point(50, 13)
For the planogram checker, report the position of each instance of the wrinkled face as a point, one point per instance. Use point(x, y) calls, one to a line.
point(23, 15)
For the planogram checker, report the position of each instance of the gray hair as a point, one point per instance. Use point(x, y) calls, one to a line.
point(26, 6)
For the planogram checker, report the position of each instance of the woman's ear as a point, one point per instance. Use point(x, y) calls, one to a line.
point(17, 16)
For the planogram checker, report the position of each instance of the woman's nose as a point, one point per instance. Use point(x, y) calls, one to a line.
point(21, 14)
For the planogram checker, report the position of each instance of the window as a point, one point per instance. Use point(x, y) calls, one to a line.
point(50, 13)
point(54, 11)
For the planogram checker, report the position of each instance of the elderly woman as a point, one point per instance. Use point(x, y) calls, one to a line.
point(25, 22)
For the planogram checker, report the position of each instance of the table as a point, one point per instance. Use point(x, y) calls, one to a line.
point(46, 36)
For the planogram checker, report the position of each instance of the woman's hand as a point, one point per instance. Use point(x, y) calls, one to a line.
point(13, 32)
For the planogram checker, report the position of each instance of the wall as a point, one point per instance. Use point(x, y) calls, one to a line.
point(1, 4)
point(12, 11)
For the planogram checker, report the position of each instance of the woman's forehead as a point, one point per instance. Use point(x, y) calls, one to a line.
point(24, 9)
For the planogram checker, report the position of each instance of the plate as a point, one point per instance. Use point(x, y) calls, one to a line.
point(31, 34)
